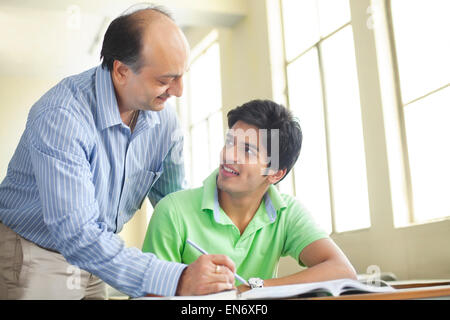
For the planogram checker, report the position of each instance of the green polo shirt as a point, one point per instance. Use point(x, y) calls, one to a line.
point(281, 226)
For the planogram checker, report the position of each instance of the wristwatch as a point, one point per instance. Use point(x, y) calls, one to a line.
point(256, 283)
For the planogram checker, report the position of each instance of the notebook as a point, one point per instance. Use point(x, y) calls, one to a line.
point(313, 289)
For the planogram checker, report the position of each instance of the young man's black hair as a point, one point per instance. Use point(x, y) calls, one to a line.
point(266, 114)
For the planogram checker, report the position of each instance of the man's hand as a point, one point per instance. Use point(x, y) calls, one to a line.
point(208, 274)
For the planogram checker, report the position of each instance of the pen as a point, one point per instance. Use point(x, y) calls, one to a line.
point(196, 246)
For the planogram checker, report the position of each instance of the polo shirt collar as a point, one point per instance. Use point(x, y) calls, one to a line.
point(273, 202)
point(107, 108)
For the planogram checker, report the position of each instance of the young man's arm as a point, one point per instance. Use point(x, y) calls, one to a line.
point(325, 261)
point(306, 242)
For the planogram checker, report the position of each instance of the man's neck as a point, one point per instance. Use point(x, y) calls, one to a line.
point(240, 208)
point(126, 112)
point(127, 117)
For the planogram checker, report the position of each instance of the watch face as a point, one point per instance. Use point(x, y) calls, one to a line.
point(256, 282)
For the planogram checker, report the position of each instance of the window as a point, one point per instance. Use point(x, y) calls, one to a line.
point(422, 49)
point(202, 104)
point(330, 175)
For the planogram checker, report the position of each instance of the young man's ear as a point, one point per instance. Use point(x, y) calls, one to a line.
point(273, 177)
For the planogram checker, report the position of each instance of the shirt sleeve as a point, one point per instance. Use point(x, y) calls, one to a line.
point(59, 151)
point(164, 234)
point(173, 172)
point(300, 230)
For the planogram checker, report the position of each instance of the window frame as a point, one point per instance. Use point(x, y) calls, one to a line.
point(211, 40)
point(412, 220)
point(318, 46)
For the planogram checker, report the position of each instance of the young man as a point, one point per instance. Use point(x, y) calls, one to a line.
point(94, 147)
point(238, 211)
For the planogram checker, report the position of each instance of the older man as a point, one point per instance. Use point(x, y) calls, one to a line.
point(94, 147)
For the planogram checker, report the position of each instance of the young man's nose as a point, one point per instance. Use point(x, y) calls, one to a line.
point(231, 155)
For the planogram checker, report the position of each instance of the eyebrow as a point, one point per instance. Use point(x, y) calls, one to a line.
point(170, 76)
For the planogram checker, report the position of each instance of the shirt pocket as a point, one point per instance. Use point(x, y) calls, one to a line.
point(137, 188)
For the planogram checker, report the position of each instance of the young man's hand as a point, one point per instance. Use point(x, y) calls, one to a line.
point(208, 274)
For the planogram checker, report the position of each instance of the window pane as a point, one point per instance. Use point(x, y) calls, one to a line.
point(183, 116)
point(348, 166)
point(286, 185)
point(187, 158)
point(311, 172)
point(428, 134)
point(333, 14)
point(301, 26)
point(205, 84)
point(421, 30)
point(216, 139)
point(200, 148)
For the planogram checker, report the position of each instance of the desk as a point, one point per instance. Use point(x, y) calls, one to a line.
point(429, 290)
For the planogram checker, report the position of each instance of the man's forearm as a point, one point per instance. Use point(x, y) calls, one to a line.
point(327, 270)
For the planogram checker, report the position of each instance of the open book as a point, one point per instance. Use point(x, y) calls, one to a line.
point(313, 289)
point(316, 289)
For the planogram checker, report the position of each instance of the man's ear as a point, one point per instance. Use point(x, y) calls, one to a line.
point(120, 72)
point(274, 177)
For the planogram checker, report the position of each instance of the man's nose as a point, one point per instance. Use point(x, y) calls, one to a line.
point(176, 87)
point(229, 155)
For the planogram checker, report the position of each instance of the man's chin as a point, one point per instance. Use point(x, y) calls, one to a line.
point(227, 186)
point(155, 106)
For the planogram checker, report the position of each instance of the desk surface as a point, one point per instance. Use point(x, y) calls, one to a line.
point(417, 290)
point(404, 284)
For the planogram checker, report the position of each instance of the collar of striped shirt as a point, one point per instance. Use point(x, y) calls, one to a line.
point(107, 108)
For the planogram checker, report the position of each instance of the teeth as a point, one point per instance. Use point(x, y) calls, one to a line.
point(229, 170)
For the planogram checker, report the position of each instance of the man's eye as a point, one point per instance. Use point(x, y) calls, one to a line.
point(250, 151)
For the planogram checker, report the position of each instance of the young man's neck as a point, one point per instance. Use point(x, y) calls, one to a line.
point(241, 208)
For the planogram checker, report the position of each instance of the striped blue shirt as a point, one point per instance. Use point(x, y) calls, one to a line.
point(79, 174)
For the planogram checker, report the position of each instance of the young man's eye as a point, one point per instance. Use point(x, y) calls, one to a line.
point(250, 151)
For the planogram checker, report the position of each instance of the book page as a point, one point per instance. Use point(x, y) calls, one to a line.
point(224, 295)
point(285, 291)
point(323, 288)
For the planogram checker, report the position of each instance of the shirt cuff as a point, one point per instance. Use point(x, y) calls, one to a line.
point(163, 277)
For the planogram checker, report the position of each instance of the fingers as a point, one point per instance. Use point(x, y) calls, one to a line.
point(220, 259)
point(222, 274)
point(214, 287)
point(208, 274)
